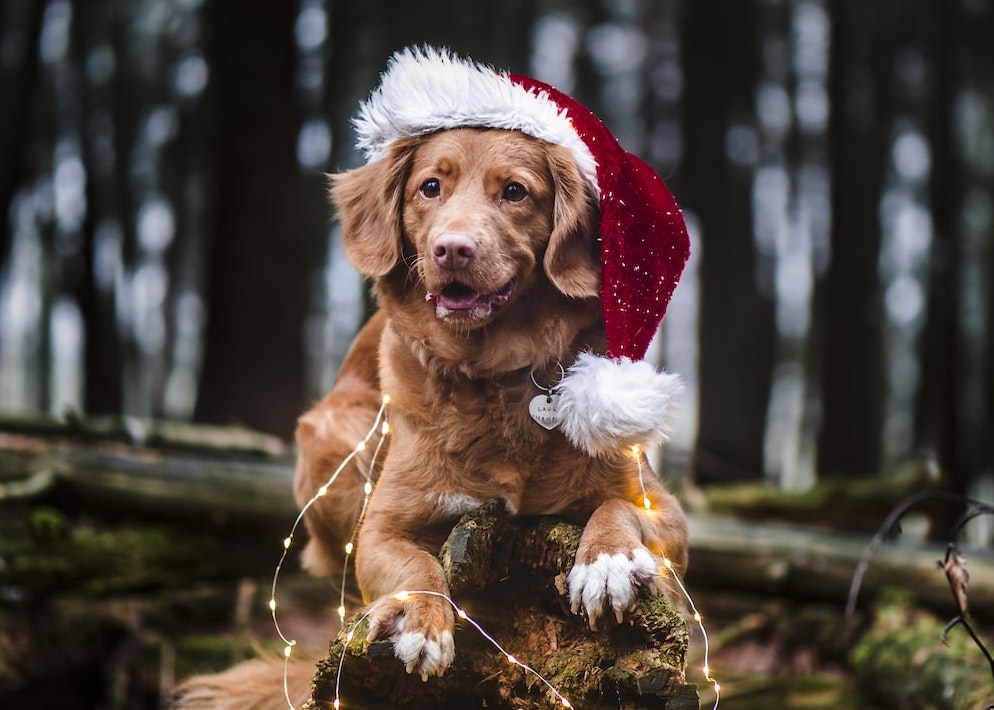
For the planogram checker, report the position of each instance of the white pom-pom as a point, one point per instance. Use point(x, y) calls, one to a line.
point(607, 405)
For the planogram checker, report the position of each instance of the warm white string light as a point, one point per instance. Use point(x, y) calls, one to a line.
point(367, 491)
point(403, 596)
point(380, 424)
point(636, 452)
point(637, 455)
point(700, 623)
point(288, 540)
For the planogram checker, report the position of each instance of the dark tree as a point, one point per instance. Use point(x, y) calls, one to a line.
point(859, 132)
point(254, 369)
point(736, 319)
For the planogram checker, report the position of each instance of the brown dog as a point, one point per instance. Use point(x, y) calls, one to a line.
point(483, 245)
point(519, 254)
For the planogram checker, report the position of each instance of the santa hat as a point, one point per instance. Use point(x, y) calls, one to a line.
point(605, 402)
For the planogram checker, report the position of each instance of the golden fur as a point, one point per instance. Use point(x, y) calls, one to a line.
point(459, 374)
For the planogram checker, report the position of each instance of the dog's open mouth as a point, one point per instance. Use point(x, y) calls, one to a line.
point(457, 301)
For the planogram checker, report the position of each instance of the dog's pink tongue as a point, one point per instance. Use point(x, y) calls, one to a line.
point(457, 297)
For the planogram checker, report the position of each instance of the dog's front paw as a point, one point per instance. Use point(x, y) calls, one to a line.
point(420, 628)
point(611, 582)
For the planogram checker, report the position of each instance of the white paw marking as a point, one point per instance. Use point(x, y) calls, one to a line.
point(424, 655)
point(611, 580)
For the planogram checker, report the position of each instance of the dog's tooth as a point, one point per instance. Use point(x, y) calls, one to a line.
point(429, 297)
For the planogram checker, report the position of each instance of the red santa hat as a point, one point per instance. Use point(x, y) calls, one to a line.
point(605, 402)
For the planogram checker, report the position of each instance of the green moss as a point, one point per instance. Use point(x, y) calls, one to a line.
point(902, 656)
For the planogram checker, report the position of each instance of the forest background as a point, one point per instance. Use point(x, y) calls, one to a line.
point(166, 249)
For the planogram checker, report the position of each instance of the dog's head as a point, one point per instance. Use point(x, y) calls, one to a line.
point(471, 223)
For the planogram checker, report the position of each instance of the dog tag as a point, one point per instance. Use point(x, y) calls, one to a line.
point(544, 409)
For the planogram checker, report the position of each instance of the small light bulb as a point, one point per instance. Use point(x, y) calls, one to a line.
point(368, 488)
point(697, 617)
point(337, 704)
point(322, 491)
point(341, 612)
point(717, 688)
point(348, 548)
point(566, 703)
point(646, 502)
point(272, 605)
point(385, 429)
point(386, 399)
point(462, 614)
point(667, 564)
point(287, 542)
point(287, 651)
point(349, 636)
point(707, 671)
point(361, 446)
point(512, 660)
point(402, 596)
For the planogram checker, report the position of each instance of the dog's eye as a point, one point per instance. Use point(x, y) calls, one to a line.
point(430, 188)
point(514, 192)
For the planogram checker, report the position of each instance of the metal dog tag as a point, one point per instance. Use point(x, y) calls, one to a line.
point(544, 409)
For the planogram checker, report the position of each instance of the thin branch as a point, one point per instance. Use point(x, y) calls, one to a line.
point(884, 530)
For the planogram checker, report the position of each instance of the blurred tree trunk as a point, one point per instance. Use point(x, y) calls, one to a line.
point(254, 364)
point(18, 83)
point(852, 363)
point(940, 424)
point(737, 323)
point(102, 359)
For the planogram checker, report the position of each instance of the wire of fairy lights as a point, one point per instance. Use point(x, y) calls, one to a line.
point(403, 596)
point(381, 425)
point(636, 452)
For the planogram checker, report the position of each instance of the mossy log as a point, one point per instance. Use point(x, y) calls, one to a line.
point(905, 660)
point(810, 564)
point(509, 576)
point(212, 475)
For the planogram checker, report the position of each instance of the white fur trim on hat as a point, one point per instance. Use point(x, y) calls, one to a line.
point(427, 89)
point(607, 405)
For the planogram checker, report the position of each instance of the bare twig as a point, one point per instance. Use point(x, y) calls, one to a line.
point(955, 569)
point(883, 532)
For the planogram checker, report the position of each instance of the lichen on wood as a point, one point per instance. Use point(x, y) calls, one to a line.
point(509, 575)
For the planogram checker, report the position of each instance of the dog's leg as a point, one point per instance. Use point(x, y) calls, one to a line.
point(620, 553)
point(395, 565)
point(325, 436)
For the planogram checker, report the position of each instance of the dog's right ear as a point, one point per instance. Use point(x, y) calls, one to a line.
point(369, 202)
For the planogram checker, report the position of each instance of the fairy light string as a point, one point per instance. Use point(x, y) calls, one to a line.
point(636, 452)
point(379, 424)
point(382, 427)
point(403, 596)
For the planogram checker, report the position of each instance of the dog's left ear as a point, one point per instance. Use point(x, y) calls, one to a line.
point(571, 258)
point(369, 201)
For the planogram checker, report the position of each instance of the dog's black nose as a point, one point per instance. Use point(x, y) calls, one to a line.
point(453, 250)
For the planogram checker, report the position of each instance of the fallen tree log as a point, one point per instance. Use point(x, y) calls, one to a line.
point(509, 574)
point(114, 511)
point(818, 565)
point(165, 470)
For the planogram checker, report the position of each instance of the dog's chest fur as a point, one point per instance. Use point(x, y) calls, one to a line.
point(474, 439)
